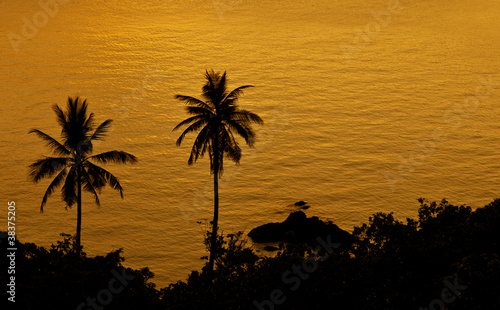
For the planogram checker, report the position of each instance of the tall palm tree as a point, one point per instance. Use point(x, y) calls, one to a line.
point(73, 166)
point(216, 118)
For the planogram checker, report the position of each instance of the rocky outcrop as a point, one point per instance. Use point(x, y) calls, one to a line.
point(298, 228)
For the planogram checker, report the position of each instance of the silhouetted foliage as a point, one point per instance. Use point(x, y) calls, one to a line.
point(60, 278)
point(74, 169)
point(390, 265)
point(217, 119)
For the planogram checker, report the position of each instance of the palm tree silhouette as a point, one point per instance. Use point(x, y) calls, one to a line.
point(73, 167)
point(216, 118)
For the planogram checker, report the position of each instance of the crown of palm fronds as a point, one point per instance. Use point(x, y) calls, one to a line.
point(77, 132)
point(217, 118)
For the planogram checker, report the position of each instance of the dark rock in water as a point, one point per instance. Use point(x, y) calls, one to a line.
point(298, 228)
point(305, 207)
point(270, 248)
point(269, 232)
point(295, 218)
point(300, 203)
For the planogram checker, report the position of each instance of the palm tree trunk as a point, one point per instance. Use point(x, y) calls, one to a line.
point(213, 246)
point(79, 211)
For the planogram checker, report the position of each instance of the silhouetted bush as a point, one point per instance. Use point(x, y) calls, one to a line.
point(59, 278)
point(390, 265)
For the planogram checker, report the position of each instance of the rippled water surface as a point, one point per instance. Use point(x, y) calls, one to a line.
point(368, 105)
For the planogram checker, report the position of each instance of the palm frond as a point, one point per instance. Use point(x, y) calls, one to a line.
point(247, 116)
point(114, 157)
point(193, 101)
point(86, 147)
point(78, 128)
point(215, 88)
point(69, 189)
point(98, 180)
point(110, 178)
point(61, 117)
point(47, 167)
point(200, 144)
point(236, 93)
point(234, 153)
point(229, 145)
point(188, 121)
point(221, 87)
point(53, 186)
point(56, 147)
point(88, 185)
point(79, 111)
point(101, 131)
point(89, 122)
point(199, 111)
point(192, 128)
point(62, 120)
point(244, 130)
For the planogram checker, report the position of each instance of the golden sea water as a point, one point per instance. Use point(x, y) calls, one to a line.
point(368, 105)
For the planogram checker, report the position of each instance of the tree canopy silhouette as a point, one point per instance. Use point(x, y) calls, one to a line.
point(72, 166)
point(449, 257)
point(217, 118)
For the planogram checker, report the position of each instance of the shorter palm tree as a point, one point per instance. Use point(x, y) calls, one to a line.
point(73, 164)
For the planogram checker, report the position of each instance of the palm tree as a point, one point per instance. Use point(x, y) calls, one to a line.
point(216, 118)
point(73, 166)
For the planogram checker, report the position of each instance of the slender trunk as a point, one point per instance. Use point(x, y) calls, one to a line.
point(79, 211)
point(213, 244)
point(213, 247)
